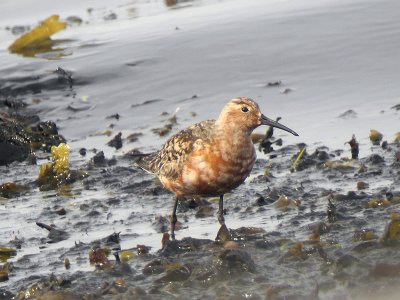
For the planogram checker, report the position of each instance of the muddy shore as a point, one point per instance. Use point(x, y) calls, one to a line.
point(316, 226)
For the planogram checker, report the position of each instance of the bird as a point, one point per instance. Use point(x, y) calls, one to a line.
point(210, 158)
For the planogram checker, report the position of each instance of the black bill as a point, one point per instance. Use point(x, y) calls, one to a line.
point(268, 121)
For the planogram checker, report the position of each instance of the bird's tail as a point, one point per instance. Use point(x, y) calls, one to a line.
point(142, 160)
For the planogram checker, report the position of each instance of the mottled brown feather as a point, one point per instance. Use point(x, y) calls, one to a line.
point(171, 158)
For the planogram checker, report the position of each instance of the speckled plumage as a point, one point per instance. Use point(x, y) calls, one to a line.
point(212, 157)
point(170, 160)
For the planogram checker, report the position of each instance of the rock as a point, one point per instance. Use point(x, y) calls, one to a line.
point(346, 261)
point(348, 114)
point(175, 272)
point(116, 142)
point(154, 267)
point(14, 142)
point(375, 159)
point(362, 185)
point(55, 235)
point(236, 261)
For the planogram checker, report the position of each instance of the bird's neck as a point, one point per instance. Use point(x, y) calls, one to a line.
point(234, 134)
point(233, 129)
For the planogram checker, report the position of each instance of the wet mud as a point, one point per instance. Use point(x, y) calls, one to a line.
point(336, 229)
point(310, 222)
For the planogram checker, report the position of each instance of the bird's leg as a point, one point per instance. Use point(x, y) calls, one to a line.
point(174, 219)
point(220, 212)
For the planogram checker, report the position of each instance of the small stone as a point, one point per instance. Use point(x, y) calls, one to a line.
point(82, 151)
point(154, 267)
point(361, 185)
point(116, 142)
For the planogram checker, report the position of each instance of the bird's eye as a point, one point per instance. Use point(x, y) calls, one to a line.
point(245, 109)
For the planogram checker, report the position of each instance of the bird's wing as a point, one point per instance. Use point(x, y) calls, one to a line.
point(170, 160)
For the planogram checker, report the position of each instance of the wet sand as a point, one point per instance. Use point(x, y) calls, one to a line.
point(309, 62)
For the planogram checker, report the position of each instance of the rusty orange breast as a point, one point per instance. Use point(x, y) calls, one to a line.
point(211, 171)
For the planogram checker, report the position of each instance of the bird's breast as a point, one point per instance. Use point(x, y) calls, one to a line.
point(217, 168)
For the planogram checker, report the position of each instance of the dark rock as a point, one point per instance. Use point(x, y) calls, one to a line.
point(261, 201)
point(114, 116)
point(181, 273)
point(82, 151)
point(14, 141)
point(99, 159)
point(116, 142)
point(365, 246)
point(55, 235)
point(61, 212)
point(346, 261)
point(111, 16)
point(375, 159)
point(5, 295)
point(266, 244)
point(235, 261)
point(187, 244)
point(274, 83)
point(348, 114)
point(154, 267)
point(322, 155)
point(396, 107)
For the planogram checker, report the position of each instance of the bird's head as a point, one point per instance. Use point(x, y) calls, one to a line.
point(244, 113)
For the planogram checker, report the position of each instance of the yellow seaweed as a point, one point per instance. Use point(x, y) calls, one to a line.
point(285, 202)
point(6, 253)
point(38, 35)
point(9, 189)
point(126, 255)
point(296, 162)
point(60, 156)
point(375, 136)
point(67, 263)
point(45, 170)
point(3, 276)
point(297, 249)
point(369, 235)
point(374, 203)
point(120, 282)
point(339, 165)
point(392, 231)
point(397, 137)
point(55, 173)
point(173, 266)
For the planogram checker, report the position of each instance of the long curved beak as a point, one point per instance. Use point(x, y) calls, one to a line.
point(267, 121)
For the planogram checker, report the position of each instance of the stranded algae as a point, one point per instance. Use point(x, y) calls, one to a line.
point(57, 174)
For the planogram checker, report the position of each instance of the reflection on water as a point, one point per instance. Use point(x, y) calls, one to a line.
point(46, 49)
point(38, 39)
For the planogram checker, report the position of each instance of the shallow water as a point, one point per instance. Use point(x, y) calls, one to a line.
point(331, 56)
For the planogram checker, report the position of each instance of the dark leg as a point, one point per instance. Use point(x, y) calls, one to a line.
point(174, 219)
point(220, 212)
